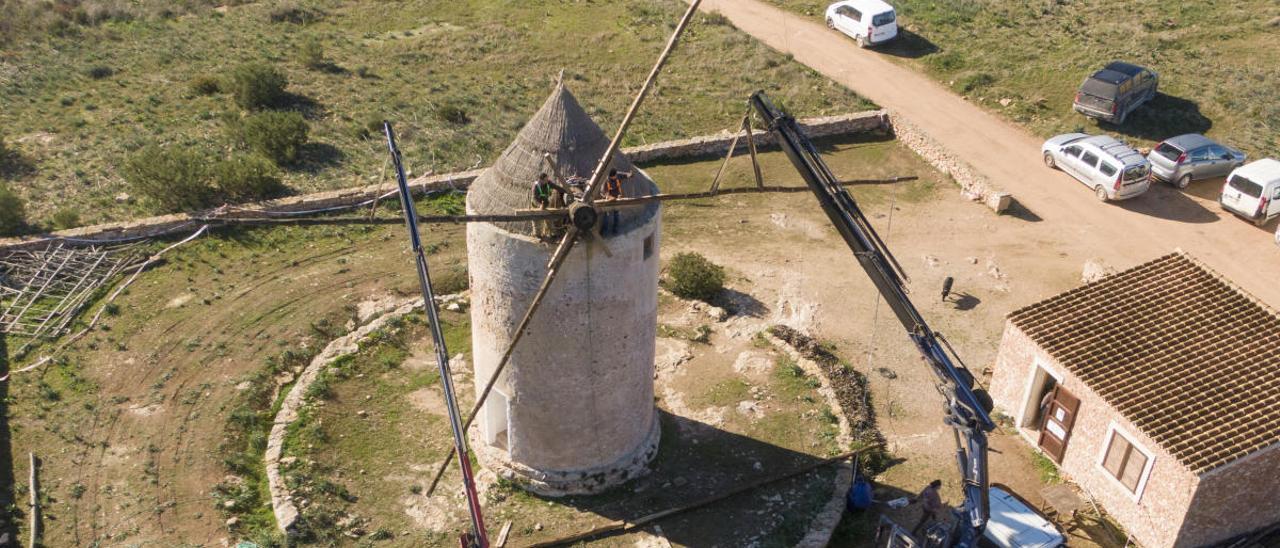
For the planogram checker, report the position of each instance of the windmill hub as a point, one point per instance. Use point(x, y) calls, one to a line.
point(583, 215)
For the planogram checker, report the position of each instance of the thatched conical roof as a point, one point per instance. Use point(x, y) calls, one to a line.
point(574, 141)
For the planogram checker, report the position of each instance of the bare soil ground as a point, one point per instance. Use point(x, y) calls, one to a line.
point(803, 275)
point(130, 441)
point(1124, 233)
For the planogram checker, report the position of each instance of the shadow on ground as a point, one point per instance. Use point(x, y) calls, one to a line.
point(315, 157)
point(1020, 212)
point(1165, 202)
point(1210, 190)
point(1163, 117)
point(696, 461)
point(741, 304)
point(908, 45)
point(14, 164)
point(309, 108)
point(963, 301)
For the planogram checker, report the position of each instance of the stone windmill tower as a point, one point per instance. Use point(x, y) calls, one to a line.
point(573, 412)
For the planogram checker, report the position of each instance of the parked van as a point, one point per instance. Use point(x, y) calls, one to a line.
point(1114, 170)
point(1253, 191)
point(1115, 91)
point(870, 22)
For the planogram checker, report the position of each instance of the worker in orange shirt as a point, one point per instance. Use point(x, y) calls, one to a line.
point(613, 191)
point(613, 185)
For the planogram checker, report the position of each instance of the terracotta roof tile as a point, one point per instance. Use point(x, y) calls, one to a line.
point(1187, 357)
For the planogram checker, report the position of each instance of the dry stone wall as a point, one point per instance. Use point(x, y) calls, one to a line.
point(282, 504)
point(166, 224)
point(824, 524)
point(973, 185)
point(718, 144)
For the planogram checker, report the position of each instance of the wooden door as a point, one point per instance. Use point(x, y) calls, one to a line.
point(1055, 426)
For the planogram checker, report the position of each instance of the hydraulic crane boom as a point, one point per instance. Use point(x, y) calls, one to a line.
point(966, 412)
point(477, 537)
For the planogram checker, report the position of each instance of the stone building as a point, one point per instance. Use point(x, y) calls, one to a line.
point(1157, 391)
point(574, 411)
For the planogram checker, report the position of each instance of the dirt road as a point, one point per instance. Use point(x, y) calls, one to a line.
point(1123, 234)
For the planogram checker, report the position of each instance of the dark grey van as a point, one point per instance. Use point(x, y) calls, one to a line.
point(1115, 91)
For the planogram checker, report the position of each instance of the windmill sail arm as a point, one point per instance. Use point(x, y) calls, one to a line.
point(965, 412)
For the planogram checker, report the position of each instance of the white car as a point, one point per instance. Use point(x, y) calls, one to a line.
point(1253, 191)
point(870, 22)
point(1114, 170)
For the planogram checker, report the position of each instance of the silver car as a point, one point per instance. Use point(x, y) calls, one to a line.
point(1192, 157)
point(1114, 170)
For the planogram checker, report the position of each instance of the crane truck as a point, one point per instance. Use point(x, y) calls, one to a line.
point(967, 410)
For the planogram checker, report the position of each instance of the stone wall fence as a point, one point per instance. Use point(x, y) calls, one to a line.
point(718, 144)
point(972, 185)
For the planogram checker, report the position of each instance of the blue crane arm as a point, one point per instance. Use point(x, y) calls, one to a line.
point(966, 411)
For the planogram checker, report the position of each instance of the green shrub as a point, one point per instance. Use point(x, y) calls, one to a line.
point(172, 179)
point(257, 86)
point(13, 212)
point(715, 19)
point(65, 218)
point(311, 54)
point(99, 72)
point(248, 177)
point(451, 280)
point(205, 85)
point(278, 136)
point(7, 157)
point(692, 276)
point(976, 81)
point(291, 12)
point(372, 126)
point(453, 112)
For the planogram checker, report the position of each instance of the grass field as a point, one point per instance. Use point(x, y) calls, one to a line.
point(1218, 61)
point(139, 422)
point(458, 78)
point(157, 418)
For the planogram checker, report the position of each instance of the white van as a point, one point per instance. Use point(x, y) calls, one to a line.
point(870, 22)
point(1253, 191)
